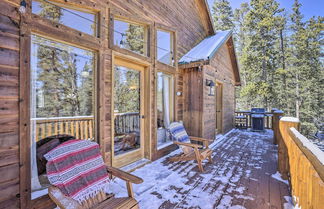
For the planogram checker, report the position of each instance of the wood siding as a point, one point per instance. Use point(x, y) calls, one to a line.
point(188, 21)
point(199, 113)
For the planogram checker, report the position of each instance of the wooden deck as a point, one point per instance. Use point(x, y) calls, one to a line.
point(239, 177)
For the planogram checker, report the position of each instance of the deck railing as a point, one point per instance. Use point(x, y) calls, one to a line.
point(82, 127)
point(247, 114)
point(126, 123)
point(301, 162)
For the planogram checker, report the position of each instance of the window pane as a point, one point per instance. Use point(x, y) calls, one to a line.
point(127, 101)
point(164, 47)
point(165, 104)
point(130, 36)
point(62, 98)
point(82, 21)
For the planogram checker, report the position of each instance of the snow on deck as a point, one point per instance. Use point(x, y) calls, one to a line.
point(239, 177)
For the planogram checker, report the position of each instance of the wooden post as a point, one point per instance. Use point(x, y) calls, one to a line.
point(277, 114)
point(285, 124)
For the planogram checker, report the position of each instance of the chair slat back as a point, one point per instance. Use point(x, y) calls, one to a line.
point(179, 134)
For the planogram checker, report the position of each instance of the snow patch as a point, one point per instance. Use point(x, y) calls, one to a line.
point(237, 207)
point(289, 204)
point(290, 119)
point(309, 145)
point(277, 176)
point(39, 193)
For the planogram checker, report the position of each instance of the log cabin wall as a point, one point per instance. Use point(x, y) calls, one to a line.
point(199, 110)
point(187, 19)
point(9, 107)
point(193, 98)
point(220, 70)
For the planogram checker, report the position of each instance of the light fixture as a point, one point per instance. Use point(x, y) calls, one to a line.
point(211, 86)
point(85, 74)
point(22, 8)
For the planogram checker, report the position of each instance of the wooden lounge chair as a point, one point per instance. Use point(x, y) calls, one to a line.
point(190, 151)
point(101, 200)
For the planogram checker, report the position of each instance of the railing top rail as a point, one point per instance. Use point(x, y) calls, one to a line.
point(62, 118)
point(126, 113)
point(311, 151)
point(249, 112)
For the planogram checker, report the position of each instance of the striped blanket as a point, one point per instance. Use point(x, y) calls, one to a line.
point(76, 167)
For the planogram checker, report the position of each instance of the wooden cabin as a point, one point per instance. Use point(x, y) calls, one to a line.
point(210, 73)
point(105, 70)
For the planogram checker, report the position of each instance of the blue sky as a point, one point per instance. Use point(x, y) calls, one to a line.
point(309, 7)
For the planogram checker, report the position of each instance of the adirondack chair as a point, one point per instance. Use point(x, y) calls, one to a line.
point(190, 151)
point(101, 200)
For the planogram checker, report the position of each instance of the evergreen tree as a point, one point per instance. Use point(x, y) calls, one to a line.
point(135, 38)
point(222, 15)
point(259, 55)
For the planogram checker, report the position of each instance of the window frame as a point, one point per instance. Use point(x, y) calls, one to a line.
point(136, 21)
point(95, 89)
point(172, 46)
point(173, 32)
point(48, 29)
point(76, 8)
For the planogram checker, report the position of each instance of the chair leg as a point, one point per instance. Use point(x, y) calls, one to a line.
point(210, 159)
point(200, 165)
point(129, 189)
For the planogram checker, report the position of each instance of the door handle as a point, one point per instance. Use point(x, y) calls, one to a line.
point(142, 116)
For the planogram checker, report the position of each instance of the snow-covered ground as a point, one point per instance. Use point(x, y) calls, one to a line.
point(241, 175)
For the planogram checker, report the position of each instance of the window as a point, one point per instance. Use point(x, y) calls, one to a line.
point(130, 36)
point(62, 99)
point(165, 47)
point(165, 107)
point(127, 109)
point(82, 21)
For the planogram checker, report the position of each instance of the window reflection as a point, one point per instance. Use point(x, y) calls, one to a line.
point(61, 100)
point(165, 107)
point(82, 21)
point(127, 100)
point(164, 47)
point(130, 36)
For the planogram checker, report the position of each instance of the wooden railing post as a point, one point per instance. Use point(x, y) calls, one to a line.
point(277, 114)
point(285, 124)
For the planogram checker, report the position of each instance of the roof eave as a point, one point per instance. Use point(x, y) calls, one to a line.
point(213, 53)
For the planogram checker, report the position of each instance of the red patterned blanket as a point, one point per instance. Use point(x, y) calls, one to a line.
point(76, 167)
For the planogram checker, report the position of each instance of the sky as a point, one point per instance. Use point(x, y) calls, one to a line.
point(309, 8)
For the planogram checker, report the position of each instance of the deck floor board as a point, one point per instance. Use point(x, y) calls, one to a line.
point(239, 177)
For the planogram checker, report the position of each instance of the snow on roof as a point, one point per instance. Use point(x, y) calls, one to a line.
point(206, 48)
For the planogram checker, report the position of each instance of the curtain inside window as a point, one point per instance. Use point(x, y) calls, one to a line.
point(166, 101)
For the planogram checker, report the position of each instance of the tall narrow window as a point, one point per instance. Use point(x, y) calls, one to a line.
point(165, 107)
point(130, 36)
point(62, 100)
point(82, 21)
point(165, 47)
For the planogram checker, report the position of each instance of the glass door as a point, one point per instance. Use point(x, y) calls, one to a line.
point(128, 113)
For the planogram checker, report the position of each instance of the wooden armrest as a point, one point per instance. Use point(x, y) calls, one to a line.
point(200, 139)
point(61, 200)
point(188, 144)
point(124, 175)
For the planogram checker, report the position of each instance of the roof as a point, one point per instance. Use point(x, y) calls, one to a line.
point(207, 48)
